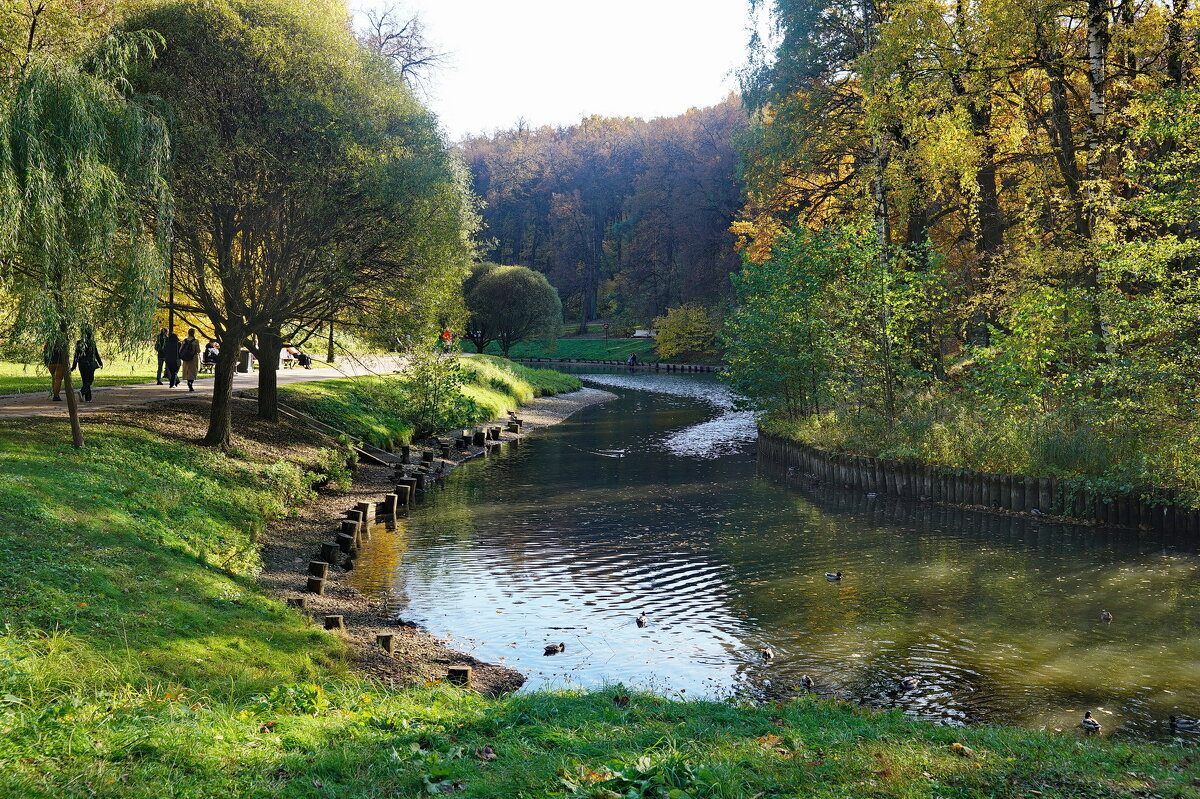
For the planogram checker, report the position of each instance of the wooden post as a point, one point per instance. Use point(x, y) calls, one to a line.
point(335, 623)
point(367, 509)
point(446, 451)
point(300, 602)
point(330, 552)
point(345, 542)
point(387, 642)
point(420, 478)
point(405, 452)
point(478, 438)
point(458, 675)
point(318, 568)
point(409, 483)
point(350, 527)
point(316, 585)
point(403, 494)
point(985, 489)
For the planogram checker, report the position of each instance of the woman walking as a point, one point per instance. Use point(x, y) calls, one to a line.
point(87, 360)
point(189, 356)
point(170, 356)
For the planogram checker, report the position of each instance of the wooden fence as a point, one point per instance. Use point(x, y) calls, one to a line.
point(1148, 509)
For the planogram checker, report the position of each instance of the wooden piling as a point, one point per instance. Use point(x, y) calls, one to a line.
point(330, 552)
point(345, 542)
point(478, 438)
point(458, 675)
point(316, 585)
point(318, 568)
point(335, 623)
point(387, 642)
point(367, 509)
point(350, 527)
point(299, 602)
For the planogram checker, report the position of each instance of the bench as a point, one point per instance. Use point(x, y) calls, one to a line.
point(288, 363)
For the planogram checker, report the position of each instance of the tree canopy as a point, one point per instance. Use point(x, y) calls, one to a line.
point(508, 304)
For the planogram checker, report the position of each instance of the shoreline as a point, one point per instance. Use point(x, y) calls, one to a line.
point(289, 544)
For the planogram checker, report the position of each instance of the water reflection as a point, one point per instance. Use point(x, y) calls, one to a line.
point(999, 617)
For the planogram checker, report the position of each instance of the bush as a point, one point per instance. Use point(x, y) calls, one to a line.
point(686, 332)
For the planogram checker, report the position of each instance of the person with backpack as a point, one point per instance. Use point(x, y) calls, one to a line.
point(87, 360)
point(160, 342)
point(189, 356)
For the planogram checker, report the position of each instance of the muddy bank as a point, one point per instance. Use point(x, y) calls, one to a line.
point(290, 544)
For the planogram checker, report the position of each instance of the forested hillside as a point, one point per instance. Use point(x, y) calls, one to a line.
point(626, 217)
point(982, 219)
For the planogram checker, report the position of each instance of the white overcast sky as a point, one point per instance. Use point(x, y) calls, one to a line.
point(553, 61)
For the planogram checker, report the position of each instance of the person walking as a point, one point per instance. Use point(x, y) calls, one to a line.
point(189, 356)
point(54, 356)
point(160, 341)
point(170, 359)
point(87, 360)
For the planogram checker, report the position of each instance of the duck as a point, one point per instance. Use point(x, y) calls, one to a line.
point(910, 683)
point(766, 653)
point(554, 649)
point(642, 620)
point(833, 576)
point(1089, 724)
point(1105, 616)
point(1185, 724)
point(807, 683)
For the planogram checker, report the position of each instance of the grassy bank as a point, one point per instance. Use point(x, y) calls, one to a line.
point(590, 349)
point(139, 659)
point(378, 408)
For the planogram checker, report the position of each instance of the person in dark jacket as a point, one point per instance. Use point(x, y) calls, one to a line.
point(87, 360)
point(170, 359)
point(160, 341)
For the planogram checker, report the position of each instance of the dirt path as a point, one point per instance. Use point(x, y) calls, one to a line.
point(109, 397)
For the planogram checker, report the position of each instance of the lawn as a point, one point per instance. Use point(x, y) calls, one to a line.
point(19, 378)
point(591, 349)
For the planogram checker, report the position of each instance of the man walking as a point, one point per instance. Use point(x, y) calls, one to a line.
point(160, 342)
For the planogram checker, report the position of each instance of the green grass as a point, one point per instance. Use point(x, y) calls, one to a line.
point(376, 408)
point(19, 378)
point(591, 349)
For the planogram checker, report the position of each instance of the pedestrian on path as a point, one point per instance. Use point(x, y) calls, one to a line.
point(160, 342)
point(189, 356)
point(170, 359)
point(55, 358)
point(87, 360)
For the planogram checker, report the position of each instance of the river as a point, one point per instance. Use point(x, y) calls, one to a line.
point(654, 503)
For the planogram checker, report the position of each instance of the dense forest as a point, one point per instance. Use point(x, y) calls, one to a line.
point(627, 218)
point(980, 218)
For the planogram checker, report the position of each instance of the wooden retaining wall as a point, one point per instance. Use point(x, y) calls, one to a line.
point(647, 367)
point(1147, 509)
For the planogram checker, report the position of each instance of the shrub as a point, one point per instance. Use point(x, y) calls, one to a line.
point(686, 332)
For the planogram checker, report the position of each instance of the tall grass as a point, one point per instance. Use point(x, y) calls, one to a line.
point(377, 408)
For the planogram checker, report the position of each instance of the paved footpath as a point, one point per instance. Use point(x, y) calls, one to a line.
point(107, 397)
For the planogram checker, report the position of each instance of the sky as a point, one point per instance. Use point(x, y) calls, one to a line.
point(553, 61)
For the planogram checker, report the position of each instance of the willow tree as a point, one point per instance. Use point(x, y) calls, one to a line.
point(82, 236)
point(310, 184)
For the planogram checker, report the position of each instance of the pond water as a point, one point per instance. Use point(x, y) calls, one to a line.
point(655, 503)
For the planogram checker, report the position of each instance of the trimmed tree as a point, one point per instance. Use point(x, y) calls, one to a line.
point(513, 304)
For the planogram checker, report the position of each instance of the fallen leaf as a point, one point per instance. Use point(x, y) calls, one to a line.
point(486, 754)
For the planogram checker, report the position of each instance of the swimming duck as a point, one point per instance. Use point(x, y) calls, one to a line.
point(766, 653)
point(642, 620)
point(833, 575)
point(807, 683)
point(1089, 724)
point(1105, 616)
point(910, 683)
point(1185, 724)
point(554, 649)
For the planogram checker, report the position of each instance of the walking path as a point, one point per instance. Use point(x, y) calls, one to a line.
point(107, 397)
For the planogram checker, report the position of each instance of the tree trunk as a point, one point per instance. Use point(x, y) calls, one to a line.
point(220, 417)
point(72, 403)
point(330, 355)
point(269, 347)
point(1176, 44)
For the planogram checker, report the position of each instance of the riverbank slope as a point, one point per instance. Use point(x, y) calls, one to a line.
point(142, 658)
